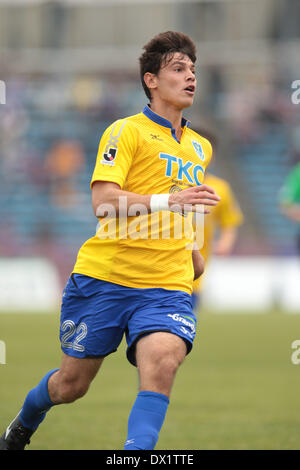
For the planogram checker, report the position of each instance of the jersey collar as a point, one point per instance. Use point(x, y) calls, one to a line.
point(162, 121)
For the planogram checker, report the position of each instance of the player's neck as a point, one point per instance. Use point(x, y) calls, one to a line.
point(170, 113)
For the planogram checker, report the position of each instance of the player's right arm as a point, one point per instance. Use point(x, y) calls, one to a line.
point(107, 193)
point(198, 262)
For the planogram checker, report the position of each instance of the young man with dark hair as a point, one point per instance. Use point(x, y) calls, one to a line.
point(135, 275)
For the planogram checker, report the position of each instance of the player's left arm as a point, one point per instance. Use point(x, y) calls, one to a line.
point(226, 241)
point(198, 262)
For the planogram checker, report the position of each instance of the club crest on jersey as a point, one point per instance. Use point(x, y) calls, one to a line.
point(198, 150)
point(108, 158)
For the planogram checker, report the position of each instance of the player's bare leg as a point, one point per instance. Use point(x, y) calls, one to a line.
point(158, 356)
point(73, 378)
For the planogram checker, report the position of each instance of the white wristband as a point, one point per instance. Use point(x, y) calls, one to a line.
point(159, 202)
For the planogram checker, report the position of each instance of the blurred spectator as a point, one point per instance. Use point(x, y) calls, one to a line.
point(63, 163)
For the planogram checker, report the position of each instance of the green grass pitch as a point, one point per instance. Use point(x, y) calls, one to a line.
point(238, 389)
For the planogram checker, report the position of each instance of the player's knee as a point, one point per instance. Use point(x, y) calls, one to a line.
point(71, 392)
point(158, 359)
point(160, 374)
point(169, 364)
point(71, 389)
point(166, 366)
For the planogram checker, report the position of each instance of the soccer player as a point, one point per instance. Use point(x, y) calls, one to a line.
point(220, 229)
point(134, 277)
point(290, 198)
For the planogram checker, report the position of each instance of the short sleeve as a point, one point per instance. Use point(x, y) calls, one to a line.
point(117, 148)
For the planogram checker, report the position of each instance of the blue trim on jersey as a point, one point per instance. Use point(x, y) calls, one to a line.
point(162, 121)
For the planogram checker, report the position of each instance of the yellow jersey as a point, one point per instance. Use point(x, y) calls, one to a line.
point(142, 155)
point(226, 213)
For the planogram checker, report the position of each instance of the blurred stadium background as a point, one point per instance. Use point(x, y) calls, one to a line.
point(70, 68)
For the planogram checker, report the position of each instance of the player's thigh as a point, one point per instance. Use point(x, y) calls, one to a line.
point(92, 319)
point(158, 356)
point(161, 311)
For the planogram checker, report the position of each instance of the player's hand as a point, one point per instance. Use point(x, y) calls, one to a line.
point(194, 199)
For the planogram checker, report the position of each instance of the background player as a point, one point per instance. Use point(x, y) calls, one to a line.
point(290, 198)
point(220, 225)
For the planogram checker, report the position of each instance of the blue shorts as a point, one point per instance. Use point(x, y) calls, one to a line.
point(95, 315)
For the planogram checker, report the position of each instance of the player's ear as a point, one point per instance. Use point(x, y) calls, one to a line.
point(150, 80)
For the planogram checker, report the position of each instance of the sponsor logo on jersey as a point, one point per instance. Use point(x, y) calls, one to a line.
point(187, 170)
